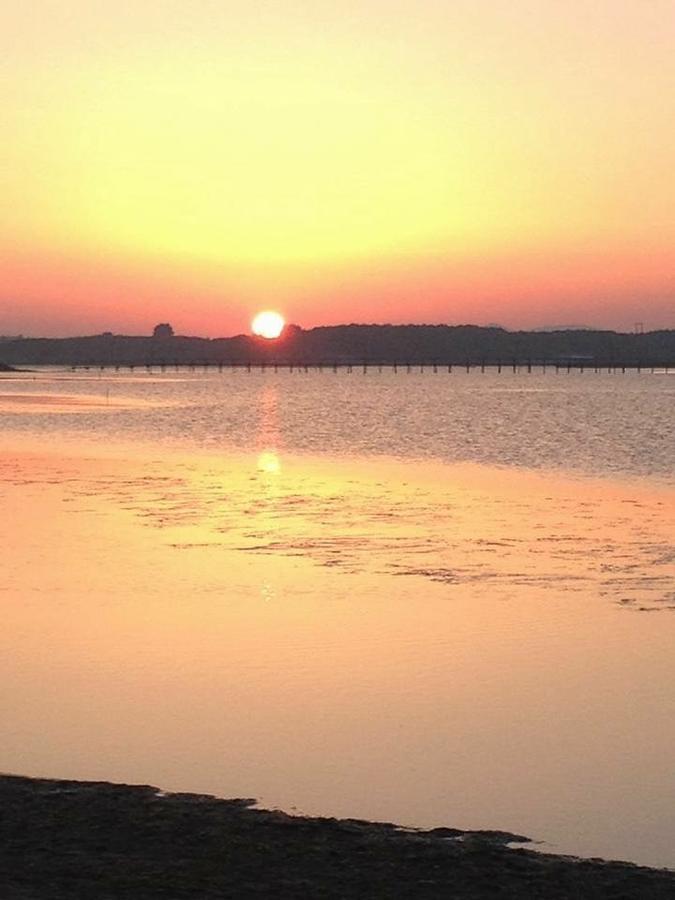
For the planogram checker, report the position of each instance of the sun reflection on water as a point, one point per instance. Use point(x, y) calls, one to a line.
point(269, 621)
point(269, 462)
point(267, 437)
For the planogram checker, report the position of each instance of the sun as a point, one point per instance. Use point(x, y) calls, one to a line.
point(268, 324)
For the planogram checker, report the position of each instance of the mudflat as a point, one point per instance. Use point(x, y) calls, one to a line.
point(62, 840)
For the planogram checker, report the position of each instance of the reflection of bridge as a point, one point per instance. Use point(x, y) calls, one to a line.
point(574, 364)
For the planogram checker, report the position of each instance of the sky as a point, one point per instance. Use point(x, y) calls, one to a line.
point(483, 161)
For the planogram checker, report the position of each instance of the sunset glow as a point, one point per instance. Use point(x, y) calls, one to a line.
point(268, 324)
point(487, 161)
point(337, 344)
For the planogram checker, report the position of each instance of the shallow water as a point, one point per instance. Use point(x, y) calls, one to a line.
point(600, 424)
point(268, 586)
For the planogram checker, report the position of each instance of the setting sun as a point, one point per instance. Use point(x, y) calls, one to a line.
point(268, 324)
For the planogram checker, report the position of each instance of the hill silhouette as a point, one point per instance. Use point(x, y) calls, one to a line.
point(356, 344)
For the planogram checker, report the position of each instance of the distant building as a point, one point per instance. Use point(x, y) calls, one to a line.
point(163, 330)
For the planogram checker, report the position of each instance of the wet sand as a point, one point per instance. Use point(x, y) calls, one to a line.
point(61, 840)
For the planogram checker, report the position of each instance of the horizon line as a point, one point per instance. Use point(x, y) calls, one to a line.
point(540, 329)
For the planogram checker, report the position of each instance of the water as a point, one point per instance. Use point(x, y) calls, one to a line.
point(600, 424)
point(425, 598)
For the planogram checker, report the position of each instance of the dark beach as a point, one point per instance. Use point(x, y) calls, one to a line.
point(65, 840)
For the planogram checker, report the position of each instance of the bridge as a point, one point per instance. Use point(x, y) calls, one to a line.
point(529, 366)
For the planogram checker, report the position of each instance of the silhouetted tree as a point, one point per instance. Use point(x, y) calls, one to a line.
point(163, 330)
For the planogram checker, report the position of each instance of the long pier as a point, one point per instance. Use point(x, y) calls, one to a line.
point(514, 366)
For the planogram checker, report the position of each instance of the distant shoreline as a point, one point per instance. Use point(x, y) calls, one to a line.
point(66, 839)
point(401, 345)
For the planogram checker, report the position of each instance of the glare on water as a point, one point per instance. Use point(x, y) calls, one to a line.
point(231, 588)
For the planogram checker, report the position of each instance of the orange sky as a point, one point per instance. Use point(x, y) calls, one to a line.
point(484, 161)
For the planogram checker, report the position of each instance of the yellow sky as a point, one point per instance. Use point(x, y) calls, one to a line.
point(493, 160)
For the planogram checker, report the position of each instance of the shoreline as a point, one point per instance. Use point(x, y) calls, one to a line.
point(67, 839)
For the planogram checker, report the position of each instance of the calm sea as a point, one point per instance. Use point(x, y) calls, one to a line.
point(429, 598)
point(598, 424)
